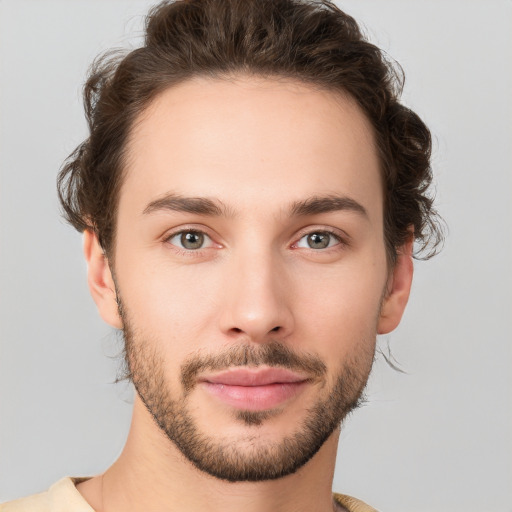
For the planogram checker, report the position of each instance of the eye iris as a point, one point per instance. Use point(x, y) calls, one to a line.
point(318, 240)
point(192, 240)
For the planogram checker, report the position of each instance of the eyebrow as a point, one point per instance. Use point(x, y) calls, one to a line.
point(317, 205)
point(197, 205)
point(214, 208)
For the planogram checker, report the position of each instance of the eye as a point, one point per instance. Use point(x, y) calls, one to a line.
point(190, 240)
point(318, 240)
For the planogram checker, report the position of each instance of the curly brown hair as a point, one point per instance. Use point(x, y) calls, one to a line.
point(313, 42)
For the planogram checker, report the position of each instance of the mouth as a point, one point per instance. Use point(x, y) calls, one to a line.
point(254, 389)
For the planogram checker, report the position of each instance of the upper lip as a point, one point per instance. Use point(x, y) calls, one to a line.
point(254, 377)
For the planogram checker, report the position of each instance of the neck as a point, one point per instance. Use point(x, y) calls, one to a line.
point(151, 474)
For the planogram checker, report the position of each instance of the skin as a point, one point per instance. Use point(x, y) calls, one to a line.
point(257, 146)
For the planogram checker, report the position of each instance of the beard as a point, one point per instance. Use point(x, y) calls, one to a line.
point(224, 458)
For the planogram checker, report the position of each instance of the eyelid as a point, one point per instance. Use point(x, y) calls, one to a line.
point(169, 233)
point(342, 237)
point(179, 233)
point(187, 229)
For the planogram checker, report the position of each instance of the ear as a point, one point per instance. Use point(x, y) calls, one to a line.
point(101, 283)
point(397, 290)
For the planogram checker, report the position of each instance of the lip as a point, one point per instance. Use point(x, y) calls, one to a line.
point(254, 377)
point(254, 389)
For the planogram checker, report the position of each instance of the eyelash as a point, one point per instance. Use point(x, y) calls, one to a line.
point(341, 241)
point(187, 252)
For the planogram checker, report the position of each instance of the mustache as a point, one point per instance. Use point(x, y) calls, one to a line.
point(273, 354)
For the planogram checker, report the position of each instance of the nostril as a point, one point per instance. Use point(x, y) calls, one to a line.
point(275, 329)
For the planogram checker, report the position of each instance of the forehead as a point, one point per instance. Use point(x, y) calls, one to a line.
point(249, 141)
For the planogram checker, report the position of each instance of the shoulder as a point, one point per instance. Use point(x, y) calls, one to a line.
point(352, 504)
point(60, 497)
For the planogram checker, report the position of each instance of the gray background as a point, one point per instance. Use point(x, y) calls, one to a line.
point(436, 439)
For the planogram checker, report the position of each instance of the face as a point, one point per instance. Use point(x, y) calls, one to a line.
point(250, 269)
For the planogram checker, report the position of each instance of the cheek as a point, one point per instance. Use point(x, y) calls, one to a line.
point(170, 305)
point(340, 311)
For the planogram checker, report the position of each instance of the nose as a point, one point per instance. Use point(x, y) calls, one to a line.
point(257, 300)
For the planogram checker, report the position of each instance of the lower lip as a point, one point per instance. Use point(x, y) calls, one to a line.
point(255, 398)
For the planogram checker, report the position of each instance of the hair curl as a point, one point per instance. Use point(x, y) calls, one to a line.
point(310, 41)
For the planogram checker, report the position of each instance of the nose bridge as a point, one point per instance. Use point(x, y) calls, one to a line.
point(257, 298)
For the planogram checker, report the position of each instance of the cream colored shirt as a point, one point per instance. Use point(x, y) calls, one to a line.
point(63, 496)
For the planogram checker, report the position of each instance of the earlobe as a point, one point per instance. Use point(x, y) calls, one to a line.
point(101, 283)
point(398, 290)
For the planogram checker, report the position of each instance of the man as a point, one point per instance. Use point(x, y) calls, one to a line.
point(249, 195)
